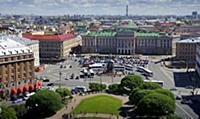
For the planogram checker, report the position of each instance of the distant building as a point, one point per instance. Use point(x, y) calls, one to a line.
point(187, 36)
point(99, 42)
point(16, 67)
point(195, 15)
point(186, 50)
point(127, 42)
point(187, 29)
point(153, 43)
point(54, 47)
point(32, 44)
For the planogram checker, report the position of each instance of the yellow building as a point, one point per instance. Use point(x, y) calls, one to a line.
point(54, 47)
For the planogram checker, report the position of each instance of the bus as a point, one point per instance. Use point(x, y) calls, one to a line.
point(145, 71)
point(119, 68)
point(155, 81)
point(97, 67)
point(129, 67)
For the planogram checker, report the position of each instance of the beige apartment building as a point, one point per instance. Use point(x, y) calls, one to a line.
point(186, 50)
point(54, 47)
point(16, 66)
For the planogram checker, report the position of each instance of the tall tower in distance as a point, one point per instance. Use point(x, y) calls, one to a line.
point(127, 10)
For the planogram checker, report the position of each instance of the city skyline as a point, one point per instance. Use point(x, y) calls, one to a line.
point(99, 7)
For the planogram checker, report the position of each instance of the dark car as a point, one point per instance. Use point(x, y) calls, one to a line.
point(45, 80)
point(184, 101)
point(77, 78)
point(50, 84)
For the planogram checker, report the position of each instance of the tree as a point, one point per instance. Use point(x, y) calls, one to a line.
point(130, 82)
point(135, 97)
point(44, 103)
point(7, 112)
point(165, 92)
point(20, 110)
point(150, 86)
point(156, 104)
point(64, 92)
point(114, 88)
point(97, 87)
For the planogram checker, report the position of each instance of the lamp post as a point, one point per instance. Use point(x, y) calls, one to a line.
point(60, 73)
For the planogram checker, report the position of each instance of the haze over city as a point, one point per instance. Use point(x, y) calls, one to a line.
point(99, 7)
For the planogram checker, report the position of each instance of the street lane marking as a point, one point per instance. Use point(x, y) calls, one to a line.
point(184, 111)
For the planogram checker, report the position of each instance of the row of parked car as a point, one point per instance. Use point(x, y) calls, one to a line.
point(22, 98)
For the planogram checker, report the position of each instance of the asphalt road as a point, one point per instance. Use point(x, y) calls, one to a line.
point(161, 73)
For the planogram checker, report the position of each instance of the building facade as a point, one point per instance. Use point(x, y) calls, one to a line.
point(153, 44)
point(54, 47)
point(127, 42)
point(16, 67)
point(108, 42)
point(32, 44)
point(198, 59)
point(186, 50)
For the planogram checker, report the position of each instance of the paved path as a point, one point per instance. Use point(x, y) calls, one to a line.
point(77, 99)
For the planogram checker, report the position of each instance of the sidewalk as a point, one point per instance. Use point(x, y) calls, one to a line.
point(75, 102)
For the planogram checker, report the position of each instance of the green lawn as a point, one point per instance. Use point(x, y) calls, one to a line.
point(101, 104)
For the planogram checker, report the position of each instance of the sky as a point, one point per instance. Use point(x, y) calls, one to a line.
point(99, 7)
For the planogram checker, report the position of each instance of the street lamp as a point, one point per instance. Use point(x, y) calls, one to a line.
point(60, 73)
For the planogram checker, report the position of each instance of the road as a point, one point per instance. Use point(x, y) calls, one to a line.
point(161, 73)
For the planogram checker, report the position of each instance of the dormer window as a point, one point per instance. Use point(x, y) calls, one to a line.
point(10, 52)
point(4, 53)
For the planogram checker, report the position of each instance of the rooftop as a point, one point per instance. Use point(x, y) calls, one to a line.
point(9, 47)
point(150, 34)
point(24, 41)
point(190, 40)
point(101, 33)
point(67, 36)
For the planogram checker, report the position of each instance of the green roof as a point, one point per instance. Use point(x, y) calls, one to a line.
point(102, 33)
point(150, 34)
point(81, 24)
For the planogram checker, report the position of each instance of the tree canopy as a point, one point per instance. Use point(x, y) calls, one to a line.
point(114, 88)
point(20, 110)
point(165, 92)
point(156, 104)
point(7, 112)
point(63, 92)
point(138, 95)
point(150, 86)
point(97, 87)
point(132, 81)
point(44, 102)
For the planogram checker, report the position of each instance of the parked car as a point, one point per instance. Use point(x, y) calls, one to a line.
point(184, 101)
point(77, 78)
point(50, 84)
point(45, 80)
point(18, 100)
point(178, 97)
